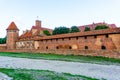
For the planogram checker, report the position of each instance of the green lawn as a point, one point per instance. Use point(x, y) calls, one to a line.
point(73, 58)
point(23, 74)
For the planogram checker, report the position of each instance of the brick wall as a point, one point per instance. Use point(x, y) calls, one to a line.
point(2, 46)
point(82, 43)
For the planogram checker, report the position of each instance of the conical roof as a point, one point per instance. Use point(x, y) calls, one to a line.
point(12, 26)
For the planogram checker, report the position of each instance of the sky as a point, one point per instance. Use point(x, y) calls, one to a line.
point(55, 13)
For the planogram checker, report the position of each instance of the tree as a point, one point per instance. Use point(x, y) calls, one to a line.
point(99, 27)
point(74, 29)
point(87, 29)
point(3, 40)
point(46, 32)
point(60, 30)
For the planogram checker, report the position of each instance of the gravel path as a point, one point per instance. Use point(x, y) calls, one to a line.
point(109, 72)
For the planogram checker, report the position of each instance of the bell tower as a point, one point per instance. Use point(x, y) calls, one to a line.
point(12, 36)
point(38, 23)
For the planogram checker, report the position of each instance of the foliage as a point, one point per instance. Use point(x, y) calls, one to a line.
point(46, 32)
point(87, 29)
point(60, 30)
point(3, 40)
point(73, 58)
point(99, 27)
point(24, 74)
point(74, 29)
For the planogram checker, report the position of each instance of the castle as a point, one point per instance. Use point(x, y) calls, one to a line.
point(95, 42)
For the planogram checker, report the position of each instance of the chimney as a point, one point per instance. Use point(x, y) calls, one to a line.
point(38, 23)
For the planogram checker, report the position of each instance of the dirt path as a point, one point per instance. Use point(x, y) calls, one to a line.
point(109, 72)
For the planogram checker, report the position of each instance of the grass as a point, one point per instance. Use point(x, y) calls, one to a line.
point(72, 58)
point(24, 74)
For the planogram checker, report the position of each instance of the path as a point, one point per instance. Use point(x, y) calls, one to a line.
point(109, 72)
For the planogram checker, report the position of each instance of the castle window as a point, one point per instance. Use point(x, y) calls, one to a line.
point(107, 35)
point(51, 40)
point(69, 38)
point(70, 47)
point(37, 47)
point(46, 47)
point(57, 47)
point(95, 36)
point(85, 37)
point(41, 40)
point(56, 39)
point(86, 47)
point(62, 39)
point(103, 47)
point(76, 38)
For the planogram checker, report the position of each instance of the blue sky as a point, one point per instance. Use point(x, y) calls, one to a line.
point(55, 13)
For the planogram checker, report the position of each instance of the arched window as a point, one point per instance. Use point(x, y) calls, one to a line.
point(107, 35)
point(37, 47)
point(85, 37)
point(69, 38)
point(76, 38)
point(70, 47)
point(46, 47)
point(86, 47)
point(103, 47)
point(56, 40)
point(95, 36)
point(57, 47)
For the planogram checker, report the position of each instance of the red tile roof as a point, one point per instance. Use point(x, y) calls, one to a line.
point(78, 34)
point(92, 26)
point(26, 34)
point(12, 26)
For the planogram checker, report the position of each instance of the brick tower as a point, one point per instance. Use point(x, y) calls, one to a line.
point(38, 23)
point(12, 35)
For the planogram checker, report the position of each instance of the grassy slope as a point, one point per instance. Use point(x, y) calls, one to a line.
point(83, 59)
point(22, 74)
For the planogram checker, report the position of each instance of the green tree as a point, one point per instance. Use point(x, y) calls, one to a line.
point(87, 29)
point(99, 27)
point(0, 40)
point(60, 30)
point(74, 29)
point(46, 32)
point(3, 40)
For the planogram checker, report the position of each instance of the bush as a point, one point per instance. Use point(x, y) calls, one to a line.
point(3, 40)
point(74, 29)
point(87, 29)
point(61, 30)
point(99, 27)
point(46, 32)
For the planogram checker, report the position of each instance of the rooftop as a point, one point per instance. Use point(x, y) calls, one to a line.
point(79, 34)
point(12, 26)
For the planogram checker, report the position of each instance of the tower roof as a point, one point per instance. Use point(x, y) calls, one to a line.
point(12, 26)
